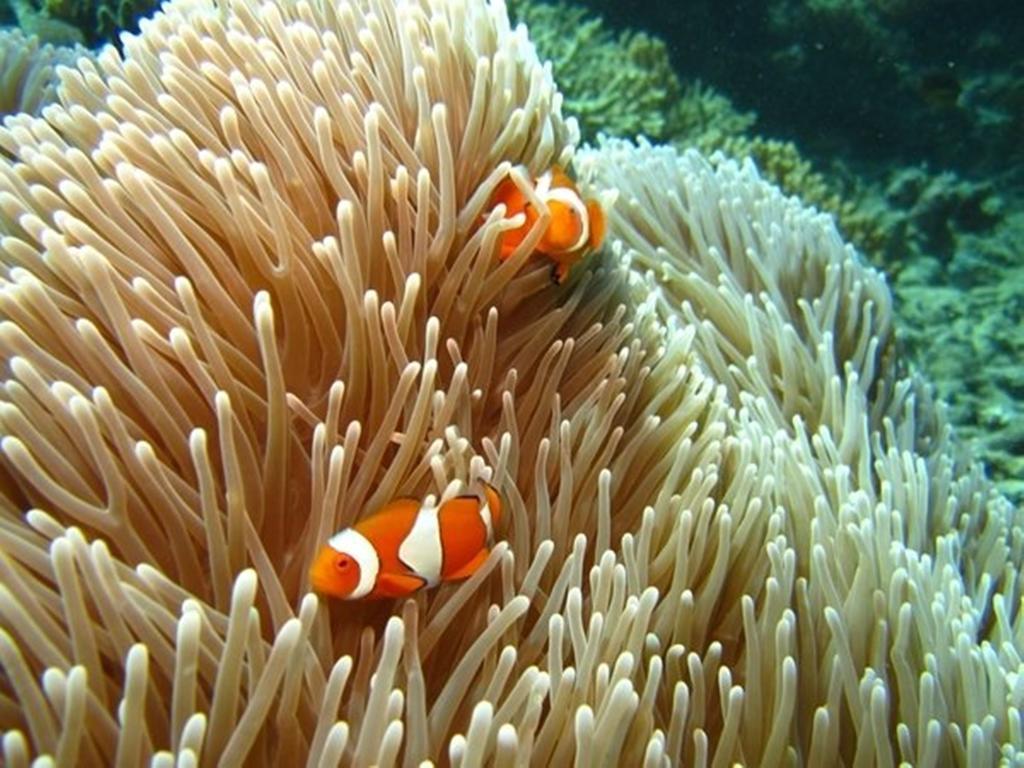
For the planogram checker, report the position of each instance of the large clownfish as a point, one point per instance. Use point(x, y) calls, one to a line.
point(406, 546)
point(576, 226)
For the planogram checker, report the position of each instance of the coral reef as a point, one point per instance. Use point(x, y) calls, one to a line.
point(953, 249)
point(99, 20)
point(35, 22)
point(931, 78)
point(619, 85)
point(893, 82)
point(707, 119)
point(77, 22)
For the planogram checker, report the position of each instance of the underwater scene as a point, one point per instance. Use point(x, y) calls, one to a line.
point(511, 383)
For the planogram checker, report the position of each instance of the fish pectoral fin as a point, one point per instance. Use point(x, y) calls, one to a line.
point(560, 272)
point(469, 568)
point(397, 584)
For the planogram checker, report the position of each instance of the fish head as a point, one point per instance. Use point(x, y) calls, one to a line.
point(566, 231)
point(334, 573)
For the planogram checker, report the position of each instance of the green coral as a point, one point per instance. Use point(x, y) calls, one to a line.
point(953, 255)
point(40, 24)
point(620, 85)
point(707, 119)
point(96, 20)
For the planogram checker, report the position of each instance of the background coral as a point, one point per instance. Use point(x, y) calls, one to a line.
point(953, 248)
point(35, 22)
point(100, 21)
point(705, 118)
point(86, 22)
point(620, 85)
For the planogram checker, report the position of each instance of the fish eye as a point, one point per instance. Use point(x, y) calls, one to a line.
point(343, 563)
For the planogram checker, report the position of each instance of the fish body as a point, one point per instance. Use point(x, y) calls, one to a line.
point(408, 545)
point(575, 227)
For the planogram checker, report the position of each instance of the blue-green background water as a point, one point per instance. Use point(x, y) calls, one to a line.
point(876, 81)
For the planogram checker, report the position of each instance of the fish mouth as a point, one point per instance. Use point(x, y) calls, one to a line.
point(322, 576)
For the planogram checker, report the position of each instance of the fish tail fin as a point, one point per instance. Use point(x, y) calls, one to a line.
point(598, 225)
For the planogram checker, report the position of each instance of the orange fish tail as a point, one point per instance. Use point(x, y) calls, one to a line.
point(598, 225)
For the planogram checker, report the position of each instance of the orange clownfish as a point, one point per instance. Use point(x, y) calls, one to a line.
point(576, 226)
point(406, 546)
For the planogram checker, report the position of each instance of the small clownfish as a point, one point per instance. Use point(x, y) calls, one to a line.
point(406, 546)
point(575, 229)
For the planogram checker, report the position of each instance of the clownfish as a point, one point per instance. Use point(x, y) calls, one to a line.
point(406, 546)
point(576, 226)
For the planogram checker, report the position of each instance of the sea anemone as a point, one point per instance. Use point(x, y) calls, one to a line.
point(28, 81)
point(252, 292)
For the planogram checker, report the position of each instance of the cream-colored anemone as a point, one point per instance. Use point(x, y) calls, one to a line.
point(28, 81)
point(253, 292)
point(894, 608)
